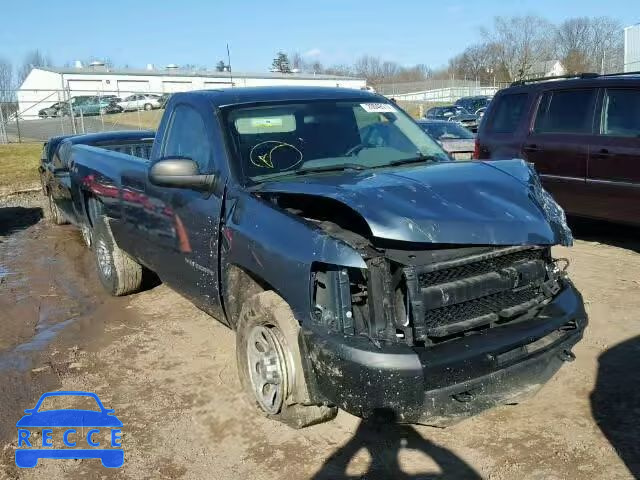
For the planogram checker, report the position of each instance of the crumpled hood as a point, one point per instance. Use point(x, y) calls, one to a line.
point(471, 203)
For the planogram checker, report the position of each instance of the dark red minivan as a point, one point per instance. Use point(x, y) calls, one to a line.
point(582, 134)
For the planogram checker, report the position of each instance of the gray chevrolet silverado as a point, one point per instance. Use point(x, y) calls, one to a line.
point(360, 267)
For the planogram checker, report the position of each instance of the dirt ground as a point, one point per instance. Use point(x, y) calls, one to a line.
point(169, 372)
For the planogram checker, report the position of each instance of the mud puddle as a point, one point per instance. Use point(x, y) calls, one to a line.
point(52, 310)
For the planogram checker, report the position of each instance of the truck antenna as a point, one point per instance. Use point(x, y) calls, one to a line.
point(229, 65)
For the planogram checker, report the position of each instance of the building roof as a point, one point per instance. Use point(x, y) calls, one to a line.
point(191, 73)
point(236, 96)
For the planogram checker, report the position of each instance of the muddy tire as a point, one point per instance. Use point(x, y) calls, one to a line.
point(119, 273)
point(270, 363)
point(55, 214)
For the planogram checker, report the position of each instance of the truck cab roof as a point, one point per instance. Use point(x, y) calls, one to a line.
point(238, 96)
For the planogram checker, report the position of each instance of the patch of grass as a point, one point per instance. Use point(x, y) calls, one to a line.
point(19, 166)
point(142, 120)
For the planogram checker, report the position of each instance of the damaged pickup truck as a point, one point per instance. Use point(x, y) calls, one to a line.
point(360, 267)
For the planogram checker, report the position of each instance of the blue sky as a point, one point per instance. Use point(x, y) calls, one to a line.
point(196, 31)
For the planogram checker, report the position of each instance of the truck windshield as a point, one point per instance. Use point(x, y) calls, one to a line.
point(319, 136)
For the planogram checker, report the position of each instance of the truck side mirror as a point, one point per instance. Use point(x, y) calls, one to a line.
point(179, 172)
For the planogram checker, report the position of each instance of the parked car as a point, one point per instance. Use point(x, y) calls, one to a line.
point(140, 101)
point(58, 109)
point(474, 104)
point(583, 136)
point(95, 106)
point(164, 98)
point(335, 237)
point(453, 113)
point(454, 138)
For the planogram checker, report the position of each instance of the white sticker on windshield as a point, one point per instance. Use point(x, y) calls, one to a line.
point(378, 107)
point(266, 122)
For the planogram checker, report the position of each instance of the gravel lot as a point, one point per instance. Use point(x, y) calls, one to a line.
point(169, 372)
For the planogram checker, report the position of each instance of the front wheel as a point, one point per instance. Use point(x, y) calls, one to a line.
point(119, 273)
point(270, 363)
point(148, 106)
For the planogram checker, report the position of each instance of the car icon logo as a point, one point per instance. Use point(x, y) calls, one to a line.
point(76, 427)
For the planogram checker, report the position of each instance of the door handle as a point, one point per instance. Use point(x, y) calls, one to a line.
point(603, 153)
point(531, 148)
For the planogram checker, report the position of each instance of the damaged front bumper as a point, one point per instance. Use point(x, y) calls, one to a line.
point(442, 384)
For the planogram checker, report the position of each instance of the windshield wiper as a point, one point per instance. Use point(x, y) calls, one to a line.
point(418, 159)
point(330, 168)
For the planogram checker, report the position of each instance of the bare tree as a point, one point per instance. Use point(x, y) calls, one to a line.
point(297, 62)
point(520, 43)
point(478, 62)
point(315, 67)
point(33, 59)
point(590, 44)
point(341, 70)
point(573, 41)
point(6, 80)
point(607, 44)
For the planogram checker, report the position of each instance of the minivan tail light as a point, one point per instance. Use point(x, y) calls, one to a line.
point(476, 149)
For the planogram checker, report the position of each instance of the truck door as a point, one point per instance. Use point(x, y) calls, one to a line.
point(186, 225)
point(558, 144)
point(613, 175)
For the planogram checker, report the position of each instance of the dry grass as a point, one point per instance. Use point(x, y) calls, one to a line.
point(142, 120)
point(19, 166)
point(413, 108)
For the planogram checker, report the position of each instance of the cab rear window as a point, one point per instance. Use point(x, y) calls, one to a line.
point(507, 113)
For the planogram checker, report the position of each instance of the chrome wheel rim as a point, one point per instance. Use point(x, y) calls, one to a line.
point(104, 258)
point(267, 367)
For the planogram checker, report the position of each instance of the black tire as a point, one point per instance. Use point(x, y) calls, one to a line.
point(55, 214)
point(268, 312)
point(148, 106)
point(119, 273)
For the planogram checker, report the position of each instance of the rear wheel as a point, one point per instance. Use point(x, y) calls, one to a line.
point(148, 106)
point(270, 363)
point(119, 273)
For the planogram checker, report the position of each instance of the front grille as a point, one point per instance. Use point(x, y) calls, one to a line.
point(477, 267)
point(479, 307)
point(463, 294)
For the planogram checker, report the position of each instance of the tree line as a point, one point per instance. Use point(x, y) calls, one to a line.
point(511, 48)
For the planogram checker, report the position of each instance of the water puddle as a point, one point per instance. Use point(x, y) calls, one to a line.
point(19, 358)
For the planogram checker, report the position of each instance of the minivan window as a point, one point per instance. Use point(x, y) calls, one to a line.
point(507, 113)
point(620, 117)
point(565, 111)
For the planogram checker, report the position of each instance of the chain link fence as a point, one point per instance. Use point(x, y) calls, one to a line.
point(37, 115)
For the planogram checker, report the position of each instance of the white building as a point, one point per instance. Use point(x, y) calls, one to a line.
point(45, 86)
point(547, 68)
point(632, 48)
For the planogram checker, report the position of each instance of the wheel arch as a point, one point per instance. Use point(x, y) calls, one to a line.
point(238, 285)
